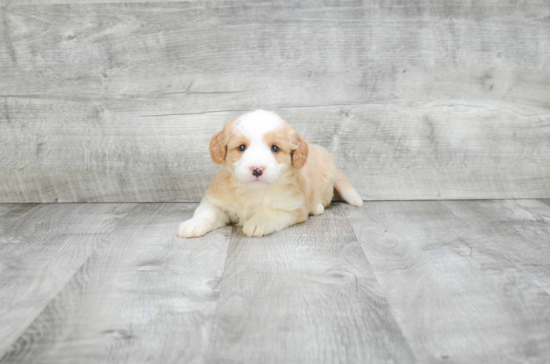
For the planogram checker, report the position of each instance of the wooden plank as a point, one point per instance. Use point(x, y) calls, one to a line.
point(304, 295)
point(77, 2)
point(450, 8)
point(416, 100)
point(212, 57)
point(145, 296)
point(11, 216)
point(74, 2)
point(40, 252)
point(521, 229)
point(541, 210)
point(451, 152)
point(452, 289)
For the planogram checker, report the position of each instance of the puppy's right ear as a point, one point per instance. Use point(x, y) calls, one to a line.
point(299, 151)
point(218, 147)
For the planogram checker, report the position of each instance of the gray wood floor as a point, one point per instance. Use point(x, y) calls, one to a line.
point(393, 282)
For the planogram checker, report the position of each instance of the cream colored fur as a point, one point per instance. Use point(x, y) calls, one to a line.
point(296, 181)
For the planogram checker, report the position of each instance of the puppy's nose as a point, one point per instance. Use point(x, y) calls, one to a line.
point(257, 171)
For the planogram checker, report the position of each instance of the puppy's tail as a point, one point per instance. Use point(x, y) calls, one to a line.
point(346, 190)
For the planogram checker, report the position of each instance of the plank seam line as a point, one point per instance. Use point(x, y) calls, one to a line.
point(429, 107)
point(213, 328)
point(376, 279)
point(425, 106)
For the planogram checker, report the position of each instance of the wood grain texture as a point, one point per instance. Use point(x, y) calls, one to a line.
point(416, 100)
point(304, 295)
point(456, 153)
point(41, 247)
point(453, 7)
point(442, 281)
point(453, 289)
point(144, 297)
point(12, 215)
point(520, 228)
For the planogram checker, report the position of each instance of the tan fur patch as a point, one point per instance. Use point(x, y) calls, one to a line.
point(300, 153)
point(280, 138)
point(217, 147)
point(233, 152)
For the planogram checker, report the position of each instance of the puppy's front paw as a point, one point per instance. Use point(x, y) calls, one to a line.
point(193, 228)
point(319, 209)
point(258, 228)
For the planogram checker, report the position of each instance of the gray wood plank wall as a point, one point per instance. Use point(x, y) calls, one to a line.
point(416, 100)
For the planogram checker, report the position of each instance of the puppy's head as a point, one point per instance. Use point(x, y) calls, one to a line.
point(259, 147)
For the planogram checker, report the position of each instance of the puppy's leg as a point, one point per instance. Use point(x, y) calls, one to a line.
point(267, 220)
point(206, 218)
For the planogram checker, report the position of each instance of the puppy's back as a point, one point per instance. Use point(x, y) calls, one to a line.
point(319, 173)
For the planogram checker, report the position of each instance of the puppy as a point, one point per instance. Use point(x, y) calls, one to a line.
point(269, 178)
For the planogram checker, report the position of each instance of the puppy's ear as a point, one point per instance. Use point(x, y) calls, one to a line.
point(299, 151)
point(218, 147)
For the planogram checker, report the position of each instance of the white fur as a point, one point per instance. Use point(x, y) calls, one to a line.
point(257, 123)
point(319, 209)
point(352, 197)
point(254, 125)
point(207, 217)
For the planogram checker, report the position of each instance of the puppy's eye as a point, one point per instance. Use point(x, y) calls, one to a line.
point(274, 149)
point(242, 147)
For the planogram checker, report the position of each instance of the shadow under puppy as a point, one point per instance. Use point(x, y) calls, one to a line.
point(269, 178)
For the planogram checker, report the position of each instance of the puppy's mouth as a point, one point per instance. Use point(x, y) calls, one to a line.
point(257, 181)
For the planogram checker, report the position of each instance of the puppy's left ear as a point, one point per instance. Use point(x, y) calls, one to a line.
point(299, 151)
